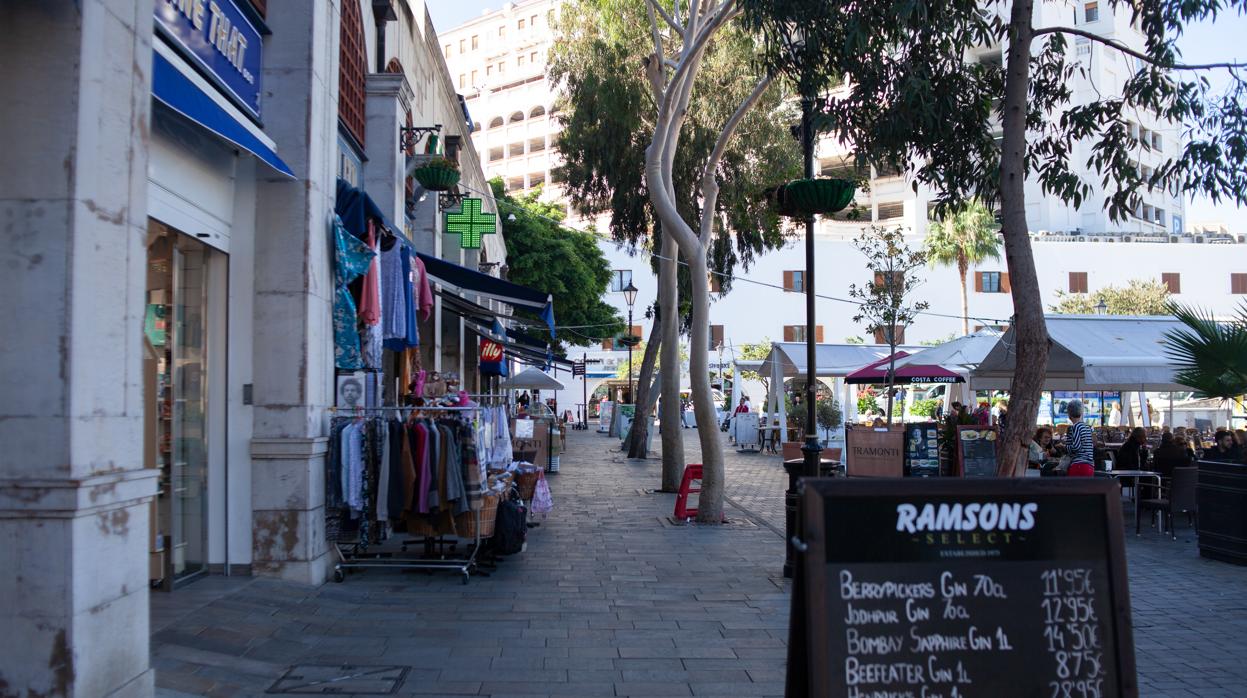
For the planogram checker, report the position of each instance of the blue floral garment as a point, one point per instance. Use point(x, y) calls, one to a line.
point(352, 258)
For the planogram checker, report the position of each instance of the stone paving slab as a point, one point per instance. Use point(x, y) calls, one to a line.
point(611, 599)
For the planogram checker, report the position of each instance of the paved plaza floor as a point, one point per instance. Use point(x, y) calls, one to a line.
point(610, 598)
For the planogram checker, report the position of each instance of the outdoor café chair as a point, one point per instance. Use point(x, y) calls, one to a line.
point(1178, 496)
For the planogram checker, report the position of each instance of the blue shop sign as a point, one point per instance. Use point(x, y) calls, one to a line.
point(222, 40)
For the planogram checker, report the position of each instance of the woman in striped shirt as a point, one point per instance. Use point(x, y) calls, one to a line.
point(1080, 442)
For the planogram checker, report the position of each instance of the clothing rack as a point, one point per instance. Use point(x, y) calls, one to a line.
point(355, 555)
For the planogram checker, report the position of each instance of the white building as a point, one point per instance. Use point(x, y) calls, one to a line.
point(1077, 249)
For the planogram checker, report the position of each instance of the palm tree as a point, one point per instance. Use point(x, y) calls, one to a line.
point(1211, 356)
point(968, 236)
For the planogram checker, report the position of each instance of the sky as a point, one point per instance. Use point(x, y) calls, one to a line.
point(1202, 43)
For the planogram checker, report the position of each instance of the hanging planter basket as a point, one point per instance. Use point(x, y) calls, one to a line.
point(780, 203)
point(437, 175)
point(808, 197)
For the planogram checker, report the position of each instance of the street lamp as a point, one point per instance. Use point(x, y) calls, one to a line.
point(630, 298)
point(1101, 307)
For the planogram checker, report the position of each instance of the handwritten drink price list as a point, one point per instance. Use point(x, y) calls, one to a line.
point(960, 596)
point(1072, 632)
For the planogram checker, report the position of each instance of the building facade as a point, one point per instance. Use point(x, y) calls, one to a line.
point(1077, 249)
point(170, 275)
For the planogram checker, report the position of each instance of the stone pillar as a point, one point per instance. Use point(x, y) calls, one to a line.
point(389, 99)
point(294, 292)
point(74, 495)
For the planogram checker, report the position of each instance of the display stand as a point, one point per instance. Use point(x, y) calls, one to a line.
point(745, 432)
point(606, 412)
point(360, 554)
point(976, 450)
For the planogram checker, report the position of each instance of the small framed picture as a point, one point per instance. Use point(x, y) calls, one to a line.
point(351, 390)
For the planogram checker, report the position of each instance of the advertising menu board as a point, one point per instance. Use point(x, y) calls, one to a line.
point(922, 449)
point(1003, 587)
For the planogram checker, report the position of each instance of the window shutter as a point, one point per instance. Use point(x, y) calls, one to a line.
point(900, 335)
point(1078, 282)
point(978, 282)
point(788, 333)
point(879, 338)
point(1004, 282)
point(716, 335)
point(716, 285)
point(608, 344)
point(1172, 281)
point(879, 279)
point(818, 334)
point(788, 283)
point(1238, 283)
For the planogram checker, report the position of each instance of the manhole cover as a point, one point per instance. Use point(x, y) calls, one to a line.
point(337, 679)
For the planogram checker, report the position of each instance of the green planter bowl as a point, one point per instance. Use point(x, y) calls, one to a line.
point(818, 196)
point(437, 177)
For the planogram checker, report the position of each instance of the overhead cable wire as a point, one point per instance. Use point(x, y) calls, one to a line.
point(716, 272)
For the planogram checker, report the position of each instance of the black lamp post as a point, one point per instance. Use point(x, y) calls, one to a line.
point(630, 298)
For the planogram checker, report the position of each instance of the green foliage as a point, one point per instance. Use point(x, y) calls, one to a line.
point(866, 402)
point(886, 302)
point(1139, 297)
point(566, 263)
point(639, 351)
point(756, 351)
point(608, 112)
point(964, 237)
point(936, 342)
point(1211, 355)
point(854, 340)
point(925, 408)
point(913, 97)
point(828, 413)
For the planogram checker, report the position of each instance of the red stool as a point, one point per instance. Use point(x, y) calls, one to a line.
point(692, 472)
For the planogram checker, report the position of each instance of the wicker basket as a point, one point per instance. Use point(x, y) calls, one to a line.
point(527, 483)
point(465, 523)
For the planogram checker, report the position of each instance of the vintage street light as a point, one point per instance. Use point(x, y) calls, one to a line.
point(1101, 308)
point(630, 298)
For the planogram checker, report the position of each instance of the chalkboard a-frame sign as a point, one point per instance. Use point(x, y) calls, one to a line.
point(966, 588)
point(976, 450)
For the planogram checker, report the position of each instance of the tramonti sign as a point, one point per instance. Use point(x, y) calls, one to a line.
point(220, 38)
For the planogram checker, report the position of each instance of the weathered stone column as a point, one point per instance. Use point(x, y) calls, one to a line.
point(294, 291)
point(389, 99)
point(74, 495)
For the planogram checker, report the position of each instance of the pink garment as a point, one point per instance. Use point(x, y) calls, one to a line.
point(424, 294)
point(370, 302)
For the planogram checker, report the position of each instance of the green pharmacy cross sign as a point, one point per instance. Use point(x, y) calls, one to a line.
point(470, 224)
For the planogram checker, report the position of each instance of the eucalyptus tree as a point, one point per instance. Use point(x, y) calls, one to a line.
point(914, 102)
point(612, 75)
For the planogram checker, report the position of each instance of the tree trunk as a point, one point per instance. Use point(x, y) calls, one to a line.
point(710, 503)
point(1030, 332)
point(669, 371)
point(891, 373)
point(638, 435)
point(963, 266)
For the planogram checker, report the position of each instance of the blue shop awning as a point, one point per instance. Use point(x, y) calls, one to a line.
point(178, 93)
point(470, 281)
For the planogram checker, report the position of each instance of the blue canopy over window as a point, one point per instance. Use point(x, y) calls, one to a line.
point(173, 89)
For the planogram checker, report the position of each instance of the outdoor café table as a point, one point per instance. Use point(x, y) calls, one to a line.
point(1136, 474)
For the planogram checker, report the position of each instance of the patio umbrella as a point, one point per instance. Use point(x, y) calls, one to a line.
point(532, 379)
point(877, 372)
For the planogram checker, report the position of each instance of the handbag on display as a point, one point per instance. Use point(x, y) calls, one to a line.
point(543, 502)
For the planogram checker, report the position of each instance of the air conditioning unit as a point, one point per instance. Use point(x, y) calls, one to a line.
point(1173, 238)
point(1199, 239)
point(1127, 238)
point(1082, 238)
point(1242, 239)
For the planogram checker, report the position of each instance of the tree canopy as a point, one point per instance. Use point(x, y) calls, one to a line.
point(608, 115)
point(1137, 297)
point(566, 263)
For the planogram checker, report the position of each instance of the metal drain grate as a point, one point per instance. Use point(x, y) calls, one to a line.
point(339, 679)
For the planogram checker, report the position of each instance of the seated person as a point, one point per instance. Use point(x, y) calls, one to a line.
point(1172, 453)
point(1042, 448)
point(1224, 449)
point(1133, 454)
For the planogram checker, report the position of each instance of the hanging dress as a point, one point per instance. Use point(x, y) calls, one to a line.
point(352, 258)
